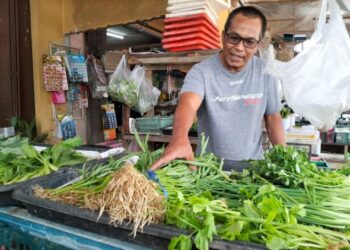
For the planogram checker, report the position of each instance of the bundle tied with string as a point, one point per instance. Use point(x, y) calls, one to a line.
point(130, 196)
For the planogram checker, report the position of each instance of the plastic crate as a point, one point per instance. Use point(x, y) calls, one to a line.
point(6, 190)
point(14, 239)
point(154, 236)
point(153, 124)
point(21, 231)
point(341, 138)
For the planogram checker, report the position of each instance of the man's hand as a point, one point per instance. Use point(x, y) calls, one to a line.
point(177, 149)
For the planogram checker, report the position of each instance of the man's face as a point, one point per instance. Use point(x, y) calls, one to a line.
point(235, 57)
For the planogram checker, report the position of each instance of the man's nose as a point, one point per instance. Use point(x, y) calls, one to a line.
point(240, 45)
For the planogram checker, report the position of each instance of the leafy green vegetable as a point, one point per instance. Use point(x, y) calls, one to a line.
point(123, 90)
point(31, 163)
point(12, 145)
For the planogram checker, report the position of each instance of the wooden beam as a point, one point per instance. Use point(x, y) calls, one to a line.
point(157, 138)
point(170, 58)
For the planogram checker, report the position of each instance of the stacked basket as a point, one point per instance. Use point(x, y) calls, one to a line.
point(192, 25)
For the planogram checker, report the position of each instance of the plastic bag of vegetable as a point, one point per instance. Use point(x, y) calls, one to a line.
point(148, 97)
point(125, 84)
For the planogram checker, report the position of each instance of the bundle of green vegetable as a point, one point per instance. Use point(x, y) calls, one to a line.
point(31, 163)
point(116, 188)
point(123, 90)
point(12, 145)
point(290, 167)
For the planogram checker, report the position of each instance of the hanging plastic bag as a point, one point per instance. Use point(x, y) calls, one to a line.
point(316, 83)
point(148, 97)
point(125, 84)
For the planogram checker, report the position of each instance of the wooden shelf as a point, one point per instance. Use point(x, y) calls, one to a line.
point(333, 143)
point(170, 58)
point(157, 138)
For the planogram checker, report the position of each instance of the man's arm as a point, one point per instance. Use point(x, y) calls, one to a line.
point(274, 127)
point(179, 146)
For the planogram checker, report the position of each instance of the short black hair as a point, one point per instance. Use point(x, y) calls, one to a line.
point(248, 11)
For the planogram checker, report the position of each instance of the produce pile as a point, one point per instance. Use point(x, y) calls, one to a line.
point(20, 161)
point(282, 202)
point(116, 188)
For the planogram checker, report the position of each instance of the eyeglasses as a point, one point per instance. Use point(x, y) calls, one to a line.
point(235, 39)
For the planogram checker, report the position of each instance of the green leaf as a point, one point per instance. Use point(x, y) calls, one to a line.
point(174, 243)
point(298, 210)
point(182, 242)
point(230, 230)
point(185, 243)
point(199, 204)
point(210, 223)
point(201, 240)
point(29, 151)
point(266, 189)
point(276, 243)
point(249, 209)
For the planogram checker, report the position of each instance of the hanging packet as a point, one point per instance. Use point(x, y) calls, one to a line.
point(68, 127)
point(78, 68)
point(98, 80)
point(55, 78)
point(108, 116)
point(316, 83)
point(58, 97)
point(65, 61)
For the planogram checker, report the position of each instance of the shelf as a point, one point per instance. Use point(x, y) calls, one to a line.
point(333, 143)
point(157, 138)
point(170, 58)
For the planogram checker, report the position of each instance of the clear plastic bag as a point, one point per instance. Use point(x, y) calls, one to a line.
point(124, 85)
point(148, 97)
point(316, 83)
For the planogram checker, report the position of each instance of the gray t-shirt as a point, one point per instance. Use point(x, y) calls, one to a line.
point(233, 106)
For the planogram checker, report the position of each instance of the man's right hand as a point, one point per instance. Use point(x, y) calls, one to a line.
point(177, 149)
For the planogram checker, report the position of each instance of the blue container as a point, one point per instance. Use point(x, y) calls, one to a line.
point(21, 231)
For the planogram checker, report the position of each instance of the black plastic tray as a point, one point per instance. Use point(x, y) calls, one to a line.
point(92, 147)
point(6, 190)
point(169, 131)
point(155, 236)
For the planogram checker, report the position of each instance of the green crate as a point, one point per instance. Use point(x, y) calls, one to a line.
point(153, 124)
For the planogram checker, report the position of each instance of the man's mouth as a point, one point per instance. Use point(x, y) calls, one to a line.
point(236, 57)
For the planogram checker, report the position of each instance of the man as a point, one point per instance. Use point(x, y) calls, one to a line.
point(232, 95)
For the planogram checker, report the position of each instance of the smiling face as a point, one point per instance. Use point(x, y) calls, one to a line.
point(235, 57)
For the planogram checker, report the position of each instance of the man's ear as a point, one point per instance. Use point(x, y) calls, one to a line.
point(223, 37)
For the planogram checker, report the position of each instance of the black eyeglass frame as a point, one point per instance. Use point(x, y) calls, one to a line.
point(245, 40)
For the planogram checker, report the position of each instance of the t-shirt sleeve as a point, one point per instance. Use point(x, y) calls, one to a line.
point(273, 102)
point(194, 81)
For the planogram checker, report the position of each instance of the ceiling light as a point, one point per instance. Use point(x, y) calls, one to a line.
point(111, 34)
